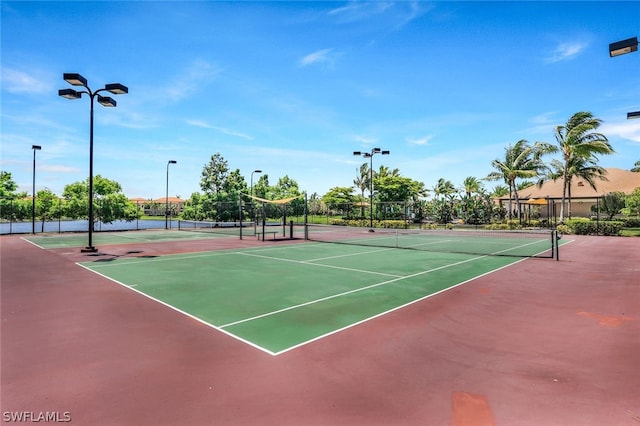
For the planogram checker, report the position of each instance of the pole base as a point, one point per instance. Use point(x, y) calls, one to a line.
point(89, 249)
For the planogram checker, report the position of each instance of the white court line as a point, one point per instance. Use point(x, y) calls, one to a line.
point(311, 302)
point(308, 262)
point(178, 310)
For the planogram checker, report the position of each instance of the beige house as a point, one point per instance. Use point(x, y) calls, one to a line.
point(545, 201)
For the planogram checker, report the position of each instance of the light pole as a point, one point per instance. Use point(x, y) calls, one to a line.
point(166, 199)
point(33, 193)
point(115, 88)
point(622, 48)
point(255, 171)
point(370, 155)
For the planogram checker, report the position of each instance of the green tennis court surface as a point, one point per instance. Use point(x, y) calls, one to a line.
point(280, 297)
point(105, 238)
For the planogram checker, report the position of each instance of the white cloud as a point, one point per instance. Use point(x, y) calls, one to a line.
point(58, 168)
point(230, 132)
point(420, 141)
point(627, 130)
point(364, 140)
point(321, 56)
point(566, 51)
point(16, 81)
point(191, 80)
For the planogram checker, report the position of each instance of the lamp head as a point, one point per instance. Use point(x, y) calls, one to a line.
point(36, 147)
point(74, 79)
point(106, 101)
point(623, 47)
point(69, 94)
point(117, 88)
point(173, 162)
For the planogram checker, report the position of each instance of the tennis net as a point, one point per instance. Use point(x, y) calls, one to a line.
point(216, 227)
point(516, 243)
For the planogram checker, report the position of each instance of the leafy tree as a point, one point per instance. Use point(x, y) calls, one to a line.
point(48, 206)
point(393, 187)
point(632, 202)
point(8, 186)
point(193, 208)
point(10, 206)
point(578, 143)
point(612, 203)
point(214, 175)
point(261, 188)
point(109, 201)
point(636, 167)
point(338, 195)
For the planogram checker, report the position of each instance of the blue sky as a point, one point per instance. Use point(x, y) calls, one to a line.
point(293, 88)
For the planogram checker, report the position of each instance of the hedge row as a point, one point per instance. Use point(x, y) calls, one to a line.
point(589, 227)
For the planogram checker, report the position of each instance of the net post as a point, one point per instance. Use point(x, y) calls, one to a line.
point(555, 245)
point(264, 219)
point(306, 217)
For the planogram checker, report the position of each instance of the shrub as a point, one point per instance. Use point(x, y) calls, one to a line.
point(631, 222)
point(581, 226)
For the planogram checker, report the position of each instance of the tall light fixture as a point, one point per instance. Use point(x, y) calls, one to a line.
point(166, 199)
point(33, 193)
point(114, 88)
point(255, 171)
point(622, 48)
point(370, 155)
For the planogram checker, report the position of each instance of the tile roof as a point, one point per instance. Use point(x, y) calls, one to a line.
point(618, 180)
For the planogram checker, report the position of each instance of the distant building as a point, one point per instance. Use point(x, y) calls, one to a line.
point(545, 201)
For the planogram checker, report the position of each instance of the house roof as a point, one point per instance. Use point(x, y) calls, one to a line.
point(169, 199)
point(618, 180)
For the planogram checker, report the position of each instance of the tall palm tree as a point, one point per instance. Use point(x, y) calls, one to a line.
point(577, 139)
point(578, 167)
point(521, 161)
point(471, 185)
point(362, 182)
point(443, 187)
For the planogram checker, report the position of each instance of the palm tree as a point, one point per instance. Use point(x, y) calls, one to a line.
point(636, 167)
point(579, 167)
point(443, 187)
point(471, 185)
point(362, 182)
point(577, 140)
point(522, 160)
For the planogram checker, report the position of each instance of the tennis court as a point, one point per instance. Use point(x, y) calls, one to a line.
point(536, 341)
point(277, 298)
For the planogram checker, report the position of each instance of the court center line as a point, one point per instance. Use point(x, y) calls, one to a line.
point(311, 302)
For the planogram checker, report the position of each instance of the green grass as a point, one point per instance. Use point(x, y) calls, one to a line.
point(630, 232)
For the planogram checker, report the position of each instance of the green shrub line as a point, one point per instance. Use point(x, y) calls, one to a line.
point(576, 226)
